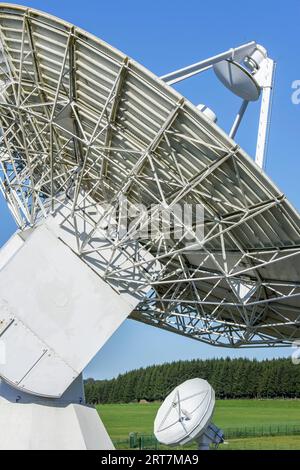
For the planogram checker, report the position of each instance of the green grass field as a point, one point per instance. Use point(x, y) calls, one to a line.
point(263, 443)
point(121, 419)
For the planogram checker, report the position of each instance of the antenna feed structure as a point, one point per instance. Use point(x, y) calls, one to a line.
point(253, 60)
point(247, 72)
point(240, 74)
point(186, 414)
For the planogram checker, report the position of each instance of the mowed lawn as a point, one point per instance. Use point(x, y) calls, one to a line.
point(121, 419)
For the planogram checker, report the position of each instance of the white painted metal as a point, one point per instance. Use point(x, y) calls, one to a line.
point(207, 111)
point(89, 223)
point(267, 76)
point(236, 54)
point(84, 125)
point(34, 426)
point(238, 119)
point(237, 79)
point(10, 248)
point(186, 414)
point(62, 314)
point(30, 422)
point(253, 60)
point(73, 394)
point(245, 71)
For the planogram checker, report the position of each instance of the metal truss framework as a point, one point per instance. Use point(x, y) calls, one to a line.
point(81, 122)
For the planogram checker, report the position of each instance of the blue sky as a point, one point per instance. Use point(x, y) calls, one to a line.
point(164, 35)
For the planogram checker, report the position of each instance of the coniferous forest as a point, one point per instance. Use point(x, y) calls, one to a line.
point(231, 378)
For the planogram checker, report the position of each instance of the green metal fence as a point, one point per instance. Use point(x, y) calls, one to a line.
point(143, 441)
point(260, 431)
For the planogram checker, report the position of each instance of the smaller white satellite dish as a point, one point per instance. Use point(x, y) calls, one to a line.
point(186, 414)
point(237, 79)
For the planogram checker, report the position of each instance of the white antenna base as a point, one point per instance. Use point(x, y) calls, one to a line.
point(32, 423)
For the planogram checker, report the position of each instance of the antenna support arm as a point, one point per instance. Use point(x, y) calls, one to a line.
point(187, 72)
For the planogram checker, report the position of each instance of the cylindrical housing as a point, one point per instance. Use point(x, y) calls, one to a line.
point(254, 60)
point(208, 112)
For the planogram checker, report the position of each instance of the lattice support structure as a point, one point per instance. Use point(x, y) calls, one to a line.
point(85, 128)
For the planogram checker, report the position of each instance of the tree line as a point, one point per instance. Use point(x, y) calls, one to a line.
point(230, 378)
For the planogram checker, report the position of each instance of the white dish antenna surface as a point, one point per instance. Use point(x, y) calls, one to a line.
point(185, 413)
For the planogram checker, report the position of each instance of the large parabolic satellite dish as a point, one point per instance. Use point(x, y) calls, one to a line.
point(84, 125)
